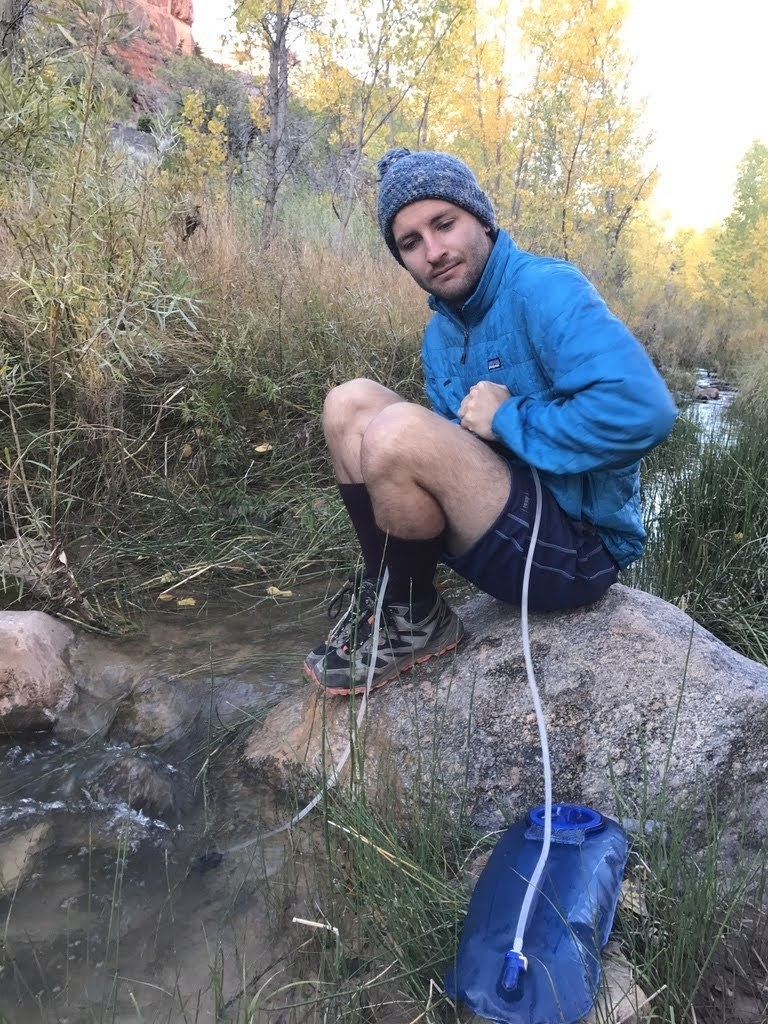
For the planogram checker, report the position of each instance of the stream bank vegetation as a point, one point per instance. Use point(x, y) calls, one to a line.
point(164, 358)
point(390, 881)
point(163, 364)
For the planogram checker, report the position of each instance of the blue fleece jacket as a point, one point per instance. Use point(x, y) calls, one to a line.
point(586, 401)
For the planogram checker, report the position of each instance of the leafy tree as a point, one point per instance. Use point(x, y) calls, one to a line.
point(218, 87)
point(370, 57)
point(199, 165)
point(469, 96)
point(579, 146)
point(273, 26)
point(742, 250)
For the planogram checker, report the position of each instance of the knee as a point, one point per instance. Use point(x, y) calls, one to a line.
point(351, 405)
point(388, 439)
point(342, 398)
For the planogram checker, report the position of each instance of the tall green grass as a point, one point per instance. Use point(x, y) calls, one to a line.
point(706, 499)
point(691, 926)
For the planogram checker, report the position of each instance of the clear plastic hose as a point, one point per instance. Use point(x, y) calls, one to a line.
point(333, 777)
point(533, 884)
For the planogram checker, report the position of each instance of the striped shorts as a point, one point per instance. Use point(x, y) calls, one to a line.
point(571, 565)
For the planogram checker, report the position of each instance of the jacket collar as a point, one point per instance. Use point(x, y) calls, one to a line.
point(484, 295)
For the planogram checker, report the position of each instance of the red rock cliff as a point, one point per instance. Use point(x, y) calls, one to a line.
point(164, 26)
point(169, 20)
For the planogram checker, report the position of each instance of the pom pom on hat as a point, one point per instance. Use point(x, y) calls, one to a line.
point(406, 177)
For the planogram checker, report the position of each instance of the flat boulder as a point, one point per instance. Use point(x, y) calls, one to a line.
point(36, 681)
point(640, 703)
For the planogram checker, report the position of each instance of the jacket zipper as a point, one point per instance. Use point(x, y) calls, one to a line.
point(466, 345)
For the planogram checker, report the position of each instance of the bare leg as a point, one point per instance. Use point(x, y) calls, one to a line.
point(349, 409)
point(412, 483)
point(425, 475)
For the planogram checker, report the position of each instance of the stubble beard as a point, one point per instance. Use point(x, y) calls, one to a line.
point(459, 288)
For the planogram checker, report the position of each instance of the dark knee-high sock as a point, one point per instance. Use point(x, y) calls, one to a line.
point(411, 563)
point(372, 540)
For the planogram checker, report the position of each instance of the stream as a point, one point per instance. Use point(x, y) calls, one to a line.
point(115, 913)
point(112, 912)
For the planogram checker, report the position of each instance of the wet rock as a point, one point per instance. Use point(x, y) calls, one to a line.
point(36, 681)
point(638, 700)
point(166, 712)
point(140, 780)
point(309, 731)
point(157, 710)
point(705, 393)
point(17, 854)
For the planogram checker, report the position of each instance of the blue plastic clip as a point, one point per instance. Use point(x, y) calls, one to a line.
point(515, 965)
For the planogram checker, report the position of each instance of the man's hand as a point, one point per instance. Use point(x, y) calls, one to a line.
point(477, 410)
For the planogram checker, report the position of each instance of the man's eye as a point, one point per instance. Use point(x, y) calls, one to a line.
point(407, 245)
point(445, 225)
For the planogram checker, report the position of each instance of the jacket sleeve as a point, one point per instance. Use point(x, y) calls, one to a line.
point(607, 405)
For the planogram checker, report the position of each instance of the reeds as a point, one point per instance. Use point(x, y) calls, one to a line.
point(706, 498)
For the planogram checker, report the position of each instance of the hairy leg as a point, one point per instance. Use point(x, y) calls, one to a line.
point(425, 475)
point(349, 409)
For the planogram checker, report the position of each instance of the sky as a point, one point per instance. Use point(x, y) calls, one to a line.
point(700, 65)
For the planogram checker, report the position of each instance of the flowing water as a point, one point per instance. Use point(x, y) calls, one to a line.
point(112, 913)
point(710, 416)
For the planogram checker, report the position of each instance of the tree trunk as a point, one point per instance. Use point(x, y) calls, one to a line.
point(277, 108)
point(11, 16)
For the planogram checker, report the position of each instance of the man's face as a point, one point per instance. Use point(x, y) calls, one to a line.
point(444, 248)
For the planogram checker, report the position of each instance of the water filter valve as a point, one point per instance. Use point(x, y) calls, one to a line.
point(515, 966)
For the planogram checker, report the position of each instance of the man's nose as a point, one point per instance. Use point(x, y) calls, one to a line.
point(435, 247)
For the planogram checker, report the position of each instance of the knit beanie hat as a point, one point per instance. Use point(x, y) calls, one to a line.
point(406, 177)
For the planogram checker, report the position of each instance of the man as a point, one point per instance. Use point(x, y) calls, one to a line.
point(524, 366)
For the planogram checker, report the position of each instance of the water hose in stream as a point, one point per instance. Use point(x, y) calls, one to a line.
point(515, 961)
point(573, 919)
point(212, 858)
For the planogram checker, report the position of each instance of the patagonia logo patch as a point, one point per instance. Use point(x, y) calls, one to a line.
point(494, 363)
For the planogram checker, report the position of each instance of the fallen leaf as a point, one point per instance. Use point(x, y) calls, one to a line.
point(277, 592)
point(632, 899)
point(186, 451)
point(186, 602)
point(262, 447)
point(165, 597)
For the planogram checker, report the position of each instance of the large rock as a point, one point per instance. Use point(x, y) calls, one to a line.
point(36, 681)
point(638, 701)
point(160, 28)
point(17, 854)
point(171, 20)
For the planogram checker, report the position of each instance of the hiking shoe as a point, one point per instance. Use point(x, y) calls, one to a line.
point(341, 665)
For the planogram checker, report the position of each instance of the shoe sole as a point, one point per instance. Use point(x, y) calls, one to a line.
point(346, 691)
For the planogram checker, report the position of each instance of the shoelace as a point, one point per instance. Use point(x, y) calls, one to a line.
point(355, 625)
point(348, 589)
